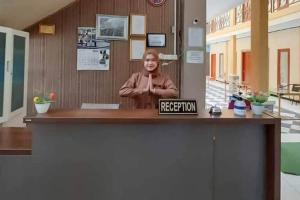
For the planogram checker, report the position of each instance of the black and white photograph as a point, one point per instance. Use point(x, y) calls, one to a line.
point(112, 27)
point(86, 37)
point(92, 53)
point(104, 54)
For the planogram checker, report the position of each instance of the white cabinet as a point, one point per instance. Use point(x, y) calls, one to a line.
point(14, 47)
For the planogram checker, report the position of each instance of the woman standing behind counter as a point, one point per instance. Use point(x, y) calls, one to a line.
point(148, 86)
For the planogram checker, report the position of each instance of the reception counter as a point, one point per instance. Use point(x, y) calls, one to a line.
point(137, 154)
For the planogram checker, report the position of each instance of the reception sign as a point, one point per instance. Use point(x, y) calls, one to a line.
point(177, 106)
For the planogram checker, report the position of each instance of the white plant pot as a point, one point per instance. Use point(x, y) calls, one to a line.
point(257, 109)
point(42, 108)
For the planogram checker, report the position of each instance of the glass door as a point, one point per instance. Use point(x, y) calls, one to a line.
point(4, 73)
point(18, 98)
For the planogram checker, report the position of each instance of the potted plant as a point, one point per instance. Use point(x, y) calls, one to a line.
point(257, 100)
point(42, 103)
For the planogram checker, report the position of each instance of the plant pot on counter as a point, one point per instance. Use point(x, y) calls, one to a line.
point(257, 109)
point(42, 108)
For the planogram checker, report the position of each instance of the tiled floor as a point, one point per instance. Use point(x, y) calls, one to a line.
point(215, 95)
point(290, 129)
point(290, 187)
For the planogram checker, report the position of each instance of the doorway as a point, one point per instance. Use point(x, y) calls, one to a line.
point(246, 64)
point(283, 67)
point(213, 66)
point(221, 66)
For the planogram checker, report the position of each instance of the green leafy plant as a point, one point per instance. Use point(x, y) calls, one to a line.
point(258, 98)
point(51, 97)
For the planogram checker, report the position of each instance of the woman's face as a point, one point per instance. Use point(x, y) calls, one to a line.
point(150, 63)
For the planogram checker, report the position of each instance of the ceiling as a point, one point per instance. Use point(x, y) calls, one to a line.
point(20, 14)
point(217, 7)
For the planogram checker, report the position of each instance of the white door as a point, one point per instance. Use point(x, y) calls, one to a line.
point(19, 73)
point(4, 73)
point(13, 72)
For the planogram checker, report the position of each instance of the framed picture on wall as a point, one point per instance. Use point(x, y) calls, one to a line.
point(111, 27)
point(137, 25)
point(156, 40)
point(137, 48)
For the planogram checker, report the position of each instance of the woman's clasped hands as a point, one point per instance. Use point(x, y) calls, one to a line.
point(149, 89)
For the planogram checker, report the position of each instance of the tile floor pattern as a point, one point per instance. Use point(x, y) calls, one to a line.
point(215, 95)
point(290, 187)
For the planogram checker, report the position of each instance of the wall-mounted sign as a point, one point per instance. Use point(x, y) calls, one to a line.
point(156, 2)
point(47, 29)
point(195, 37)
point(156, 39)
point(177, 106)
point(195, 57)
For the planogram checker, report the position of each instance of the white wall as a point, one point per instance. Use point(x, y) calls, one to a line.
point(282, 40)
point(16, 121)
point(277, 40)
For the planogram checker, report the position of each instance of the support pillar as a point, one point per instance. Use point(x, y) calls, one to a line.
point(232, 56)
point(193, 70)
point(259, 71)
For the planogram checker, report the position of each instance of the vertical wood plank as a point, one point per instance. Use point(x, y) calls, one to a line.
point(52, 78)
point(87, 83)
point(70, 89)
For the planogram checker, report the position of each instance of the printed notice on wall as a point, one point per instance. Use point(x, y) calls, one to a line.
point(92, 54)
point(195, 37)
point(195, 57)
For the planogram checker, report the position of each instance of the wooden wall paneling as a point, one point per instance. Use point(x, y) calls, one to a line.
point(53, 59)
point(53, 51)
point(179, 25)
point(166, 27)
point(103, 78)
point(70, 98)
point(121, 65)
point(134, 7)
point(176, 64)
point(105, 7)
point(36, 69)
point(138, 6)
point(87, 83)
point(30, 74)
point(154, 18)
point(88, 11)
point(31, 71)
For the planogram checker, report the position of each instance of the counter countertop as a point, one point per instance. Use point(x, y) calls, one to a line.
point(142, 116)
point(15, 141)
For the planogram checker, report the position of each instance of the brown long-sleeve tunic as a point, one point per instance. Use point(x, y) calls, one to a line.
point(164, 88)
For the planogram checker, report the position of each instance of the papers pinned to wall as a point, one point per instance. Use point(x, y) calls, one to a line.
point(92, 54)
point(195, 57)
point(195, 37)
